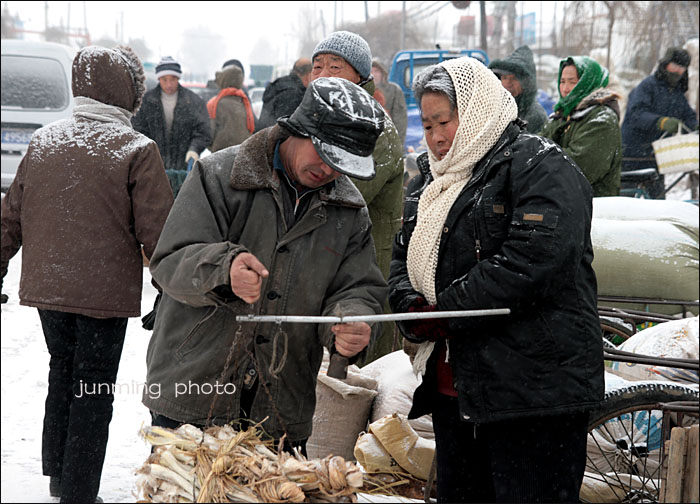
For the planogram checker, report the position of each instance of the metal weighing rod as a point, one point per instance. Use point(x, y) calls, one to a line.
point(338, 365)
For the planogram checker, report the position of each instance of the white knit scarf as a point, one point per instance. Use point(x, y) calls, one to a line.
point(485, 109)
point(98, 111)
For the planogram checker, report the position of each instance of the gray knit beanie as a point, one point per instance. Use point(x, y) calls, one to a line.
point(349, 46)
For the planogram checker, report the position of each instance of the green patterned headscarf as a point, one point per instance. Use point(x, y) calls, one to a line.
point(591, 76)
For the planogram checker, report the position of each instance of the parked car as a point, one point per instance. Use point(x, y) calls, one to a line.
point(36, 90)
point(256, 100)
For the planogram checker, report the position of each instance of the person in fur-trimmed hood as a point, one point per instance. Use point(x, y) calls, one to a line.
point(586, 123)
point(89, 195)
point(519, 76)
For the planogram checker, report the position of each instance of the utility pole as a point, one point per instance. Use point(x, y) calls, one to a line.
point(366, 11)
point(403, 25)
point(483, 31)
point(539, 59)
point(335, 15)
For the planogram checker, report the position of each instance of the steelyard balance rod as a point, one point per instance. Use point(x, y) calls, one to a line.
point(385, 317)
point(338, 365)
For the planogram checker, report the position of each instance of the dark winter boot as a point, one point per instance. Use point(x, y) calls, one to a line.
point(55, 486)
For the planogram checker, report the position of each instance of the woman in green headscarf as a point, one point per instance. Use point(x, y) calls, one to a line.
point(586, 123)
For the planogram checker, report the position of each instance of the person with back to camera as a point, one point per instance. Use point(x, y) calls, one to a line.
point(90, 194)
point(232, 118)
point(283, 96)
point(498, 218)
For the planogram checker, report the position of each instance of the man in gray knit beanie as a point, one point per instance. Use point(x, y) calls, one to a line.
point(349, 46)
point(347, 55)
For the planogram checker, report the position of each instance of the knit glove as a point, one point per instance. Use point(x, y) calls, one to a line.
point(669, 124)
point(419, 331)
point(3, 298)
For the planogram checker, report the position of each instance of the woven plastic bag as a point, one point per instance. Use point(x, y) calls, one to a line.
point(677, 153)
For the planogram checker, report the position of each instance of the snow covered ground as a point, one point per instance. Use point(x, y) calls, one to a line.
point(25, 369)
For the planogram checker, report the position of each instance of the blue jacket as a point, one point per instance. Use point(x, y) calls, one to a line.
point(652, 99)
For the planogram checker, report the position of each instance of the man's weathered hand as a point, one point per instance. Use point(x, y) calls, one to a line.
point(246, 277)
point(351, 338)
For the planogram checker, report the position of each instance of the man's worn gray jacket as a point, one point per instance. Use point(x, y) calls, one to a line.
point(231, 203)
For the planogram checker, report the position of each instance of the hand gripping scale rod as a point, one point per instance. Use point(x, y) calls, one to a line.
point(338, 365)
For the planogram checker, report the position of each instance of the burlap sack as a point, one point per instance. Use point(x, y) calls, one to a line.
point(342, 413)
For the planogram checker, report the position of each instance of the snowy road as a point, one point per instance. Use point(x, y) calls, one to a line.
point(25, 369)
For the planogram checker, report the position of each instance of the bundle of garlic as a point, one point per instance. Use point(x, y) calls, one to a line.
point(224, 465)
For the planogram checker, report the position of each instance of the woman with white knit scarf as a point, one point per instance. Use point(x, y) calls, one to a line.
point(498, 218)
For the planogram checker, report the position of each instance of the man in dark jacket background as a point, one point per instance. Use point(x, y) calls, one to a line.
point(89, 195)
point(284, 95)
point(176, 119)
point(656, 106)
point(519, 76)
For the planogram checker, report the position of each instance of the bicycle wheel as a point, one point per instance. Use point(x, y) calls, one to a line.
point(626, 435)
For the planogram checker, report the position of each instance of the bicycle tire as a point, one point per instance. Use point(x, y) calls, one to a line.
point(643, 394)
point(625, 438)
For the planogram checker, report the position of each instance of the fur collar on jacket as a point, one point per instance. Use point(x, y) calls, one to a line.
point(252, 169)
point(600, 96)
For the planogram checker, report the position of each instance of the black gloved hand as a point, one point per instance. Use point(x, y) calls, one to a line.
point(419, 331)
point(149, 320)
point(3, 298)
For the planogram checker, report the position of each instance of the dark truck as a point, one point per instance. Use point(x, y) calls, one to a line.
point(405, 66)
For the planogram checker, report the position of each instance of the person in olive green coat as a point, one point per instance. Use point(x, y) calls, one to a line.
point(518, 75)
point(347, 55)
point(586, 123)
point(272, 226)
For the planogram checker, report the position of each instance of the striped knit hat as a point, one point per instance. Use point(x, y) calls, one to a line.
point(168, 66)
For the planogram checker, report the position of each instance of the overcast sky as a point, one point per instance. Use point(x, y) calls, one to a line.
point(238, 25)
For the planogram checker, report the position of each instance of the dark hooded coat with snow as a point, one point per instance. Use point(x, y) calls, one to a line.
point(190, 131)
point(232, 202)
point(229, 126)
point(651, 100)
point(518, 237)
point(89, 193)
point(522, 65)
point(591, 136)
point(281, 98)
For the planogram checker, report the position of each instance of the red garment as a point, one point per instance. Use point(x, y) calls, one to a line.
point(214, 102)
point(444, 372)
